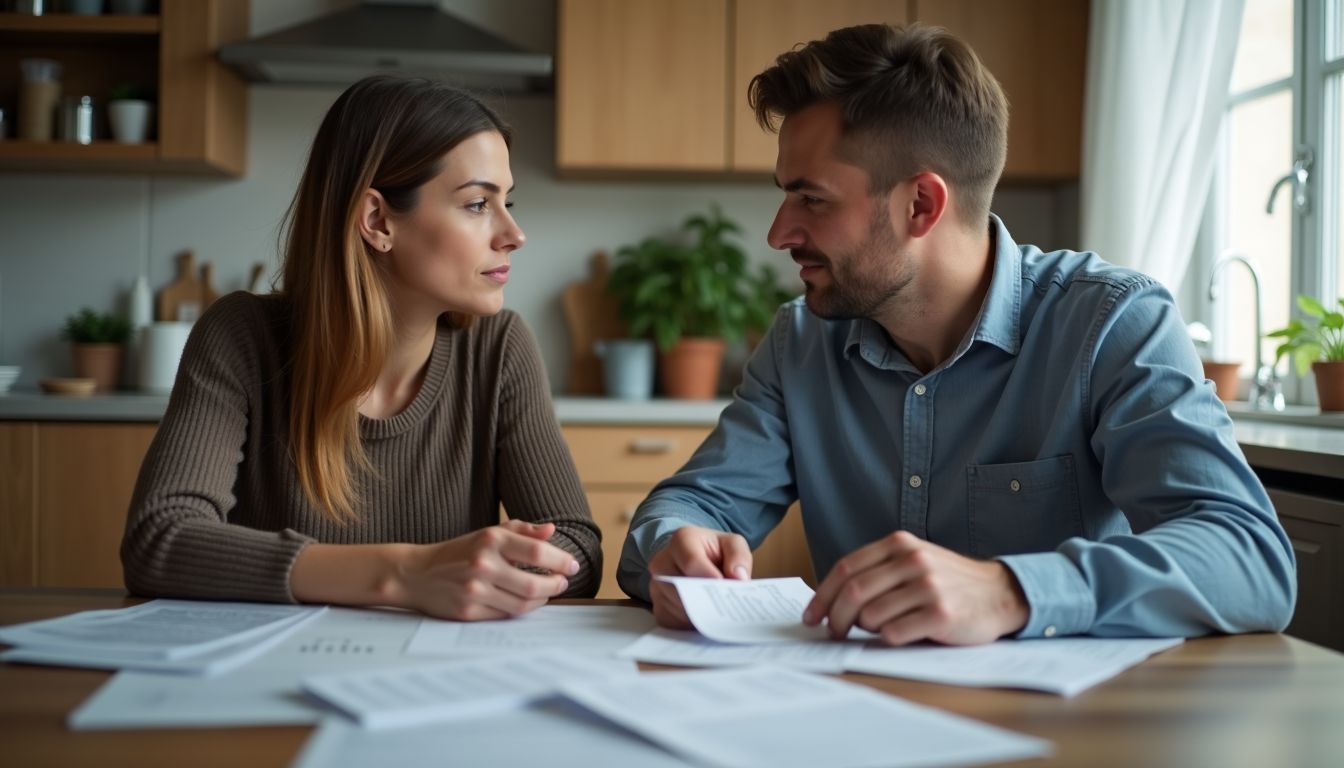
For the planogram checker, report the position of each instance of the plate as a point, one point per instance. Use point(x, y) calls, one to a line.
point(68, 386)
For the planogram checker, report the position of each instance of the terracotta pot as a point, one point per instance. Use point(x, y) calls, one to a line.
point(100, 362)
point(1224, 378)
point(690, 370)
point(1330, 384)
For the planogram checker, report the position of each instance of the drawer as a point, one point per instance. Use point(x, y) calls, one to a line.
point(638, 456)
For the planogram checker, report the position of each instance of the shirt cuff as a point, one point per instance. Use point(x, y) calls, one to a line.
point(1058, 599)
point(642, 543)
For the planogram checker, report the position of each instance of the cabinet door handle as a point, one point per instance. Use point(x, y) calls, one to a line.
point(650, 446)
point(627, 514)
point(1305, 547)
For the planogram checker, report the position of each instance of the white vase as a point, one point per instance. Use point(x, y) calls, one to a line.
point(129, 119)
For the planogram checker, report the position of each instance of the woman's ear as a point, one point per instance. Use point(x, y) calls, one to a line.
point(375, 226)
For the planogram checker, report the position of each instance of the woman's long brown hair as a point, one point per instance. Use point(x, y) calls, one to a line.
point(384, 133)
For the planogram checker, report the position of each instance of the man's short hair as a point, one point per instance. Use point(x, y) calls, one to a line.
point(912, 99)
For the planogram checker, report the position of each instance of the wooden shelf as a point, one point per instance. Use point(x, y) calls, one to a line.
point(100, 156)
point(70, 24)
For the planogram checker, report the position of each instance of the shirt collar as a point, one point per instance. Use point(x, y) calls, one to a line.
point(998, 322)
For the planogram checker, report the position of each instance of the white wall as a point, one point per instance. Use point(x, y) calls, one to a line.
point(67, 241)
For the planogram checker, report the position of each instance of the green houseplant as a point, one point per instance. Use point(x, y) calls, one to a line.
point(97, 341)
point(1316, 343)
point(692, 293)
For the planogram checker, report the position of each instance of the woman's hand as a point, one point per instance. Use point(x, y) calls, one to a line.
point(494, 573)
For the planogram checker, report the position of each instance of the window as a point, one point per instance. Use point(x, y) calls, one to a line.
point(1283, 113)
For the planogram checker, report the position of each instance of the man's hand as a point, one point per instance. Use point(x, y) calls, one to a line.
point(694, 551)
point(908, 590)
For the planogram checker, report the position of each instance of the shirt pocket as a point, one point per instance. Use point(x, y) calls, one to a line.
point(1026, 506)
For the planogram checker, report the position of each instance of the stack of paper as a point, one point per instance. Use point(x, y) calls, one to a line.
point(590, 629)
point(161, 635)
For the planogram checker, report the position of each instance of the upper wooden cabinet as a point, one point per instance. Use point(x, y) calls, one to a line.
point(640, 84)
point(655, 85)
point(200, 106)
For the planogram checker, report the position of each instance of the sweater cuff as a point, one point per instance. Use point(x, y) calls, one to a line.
point(1059, 600)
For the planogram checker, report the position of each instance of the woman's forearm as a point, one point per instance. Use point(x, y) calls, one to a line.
point(352, 574)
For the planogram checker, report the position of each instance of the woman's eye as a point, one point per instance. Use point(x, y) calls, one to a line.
point(477, 206)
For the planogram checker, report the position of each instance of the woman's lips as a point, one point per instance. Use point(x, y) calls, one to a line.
point(500, 275)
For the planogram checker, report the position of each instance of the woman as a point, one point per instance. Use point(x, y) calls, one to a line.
point(350, 439)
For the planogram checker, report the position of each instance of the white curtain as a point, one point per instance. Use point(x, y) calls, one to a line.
point(1157, 81)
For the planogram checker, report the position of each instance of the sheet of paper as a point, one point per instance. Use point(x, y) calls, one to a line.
point(265, 691)
point(598, 629)
point(691, 649)
point(1064, 665)
point(216, 661)
point(551, 734)
point(395, 698)
point(755, 611)
point(779, 718)
point(159, 629)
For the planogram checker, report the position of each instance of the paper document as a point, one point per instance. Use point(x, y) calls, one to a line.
point(778, 718)
point(215, 661)
point(691, 649)
point(755, 611)
point(550, 734)
point(265, 691)
point(159, 629)
point(469, 688)
point(598, 629)
point(1064, 665)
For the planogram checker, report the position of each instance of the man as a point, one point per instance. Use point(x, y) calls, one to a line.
point(987, 440)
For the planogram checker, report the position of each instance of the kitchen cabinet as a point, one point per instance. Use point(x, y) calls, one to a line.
point(1315, 525)
point(620, 465)
point(660, 88)
point(200, 109)
point(63, 500)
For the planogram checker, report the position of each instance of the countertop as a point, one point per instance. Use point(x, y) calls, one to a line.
point(1298, 440)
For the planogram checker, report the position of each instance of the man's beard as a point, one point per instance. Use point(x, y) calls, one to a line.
point(852, 294)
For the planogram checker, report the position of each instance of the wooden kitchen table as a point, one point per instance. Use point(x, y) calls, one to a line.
point(1254, 700)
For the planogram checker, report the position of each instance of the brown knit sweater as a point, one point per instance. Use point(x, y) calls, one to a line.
point(218, 512)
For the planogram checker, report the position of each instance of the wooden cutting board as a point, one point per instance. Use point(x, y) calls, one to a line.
point(591, 314)
point(187, 297)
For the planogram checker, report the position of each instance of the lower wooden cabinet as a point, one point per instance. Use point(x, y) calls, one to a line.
point(63, 500)
point(620, 465)
point(1315, 525)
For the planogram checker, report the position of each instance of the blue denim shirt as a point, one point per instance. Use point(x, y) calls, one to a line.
point(1071, 436)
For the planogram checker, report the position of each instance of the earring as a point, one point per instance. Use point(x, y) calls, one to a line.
point(387, 246)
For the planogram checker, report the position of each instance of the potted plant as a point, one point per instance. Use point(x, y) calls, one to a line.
point(97, 342)
point(692, 293)
point(129, 112)
point(1316, 343)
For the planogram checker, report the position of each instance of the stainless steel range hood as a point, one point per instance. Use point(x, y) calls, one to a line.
point(407, 37)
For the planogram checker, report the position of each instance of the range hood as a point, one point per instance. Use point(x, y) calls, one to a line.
point(407, 37)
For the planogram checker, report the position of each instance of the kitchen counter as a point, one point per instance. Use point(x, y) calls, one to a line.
point(1302, 440)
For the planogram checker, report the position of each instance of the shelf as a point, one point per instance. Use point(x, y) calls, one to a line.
point(98, 157)
point(70, 24)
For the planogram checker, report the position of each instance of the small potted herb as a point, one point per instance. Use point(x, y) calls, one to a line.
point(129, 112)
point(1316, 343)
point(97, 343)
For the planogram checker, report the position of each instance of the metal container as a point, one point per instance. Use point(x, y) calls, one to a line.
point(76, 119)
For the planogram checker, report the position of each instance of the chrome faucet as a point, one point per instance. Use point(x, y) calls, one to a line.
point(1266, 388)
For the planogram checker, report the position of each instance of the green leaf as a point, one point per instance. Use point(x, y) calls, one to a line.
point(1310, 306)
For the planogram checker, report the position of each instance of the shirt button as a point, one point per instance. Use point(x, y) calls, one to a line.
point(920, 390)
point(1014, 486)
point(1049, 631)
point(915, 482)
